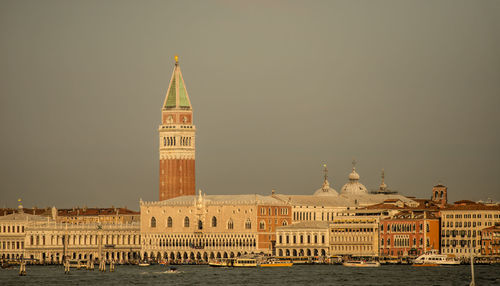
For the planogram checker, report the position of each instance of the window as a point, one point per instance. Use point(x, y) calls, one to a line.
point(284, 222)
point(169, 222)
point(186, 222)
point(262, 225)
point(153, 222)
point(200, 224)
point(214, 221)
point(248, 224)
point(230, 224)
point(262, 211)
point(323, 239)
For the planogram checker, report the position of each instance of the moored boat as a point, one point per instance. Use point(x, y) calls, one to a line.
point(243, 262)
point(434, 258)
point(218, 263)
point(234, 262)
point(361, 264)
point(276, 263)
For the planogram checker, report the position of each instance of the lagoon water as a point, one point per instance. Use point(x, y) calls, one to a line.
point(296, 275)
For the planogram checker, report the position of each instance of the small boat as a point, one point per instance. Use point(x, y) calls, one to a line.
point(243, 262)
point(143, 264)
point(234, 262)
point(276, 263)
point(172, 269)
point(433, 257)
point(218, 263)
point(361, 264)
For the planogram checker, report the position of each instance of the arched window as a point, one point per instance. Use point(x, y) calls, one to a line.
point(164, 141)
point(186, 222)
point(214, 221)
point(262, 225)
point(169, 222)
point(230, 224)
point(248, 224)
point(153, 222)
point(285, 222)
point(200, 224)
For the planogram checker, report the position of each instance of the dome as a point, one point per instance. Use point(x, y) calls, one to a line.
point(353, 175)
point(353, 187)
point(325, 190)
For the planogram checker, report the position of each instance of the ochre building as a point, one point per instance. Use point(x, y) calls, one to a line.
point(461, 226)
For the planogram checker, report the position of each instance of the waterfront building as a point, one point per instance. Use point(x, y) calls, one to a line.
point(308, 238)
point(204, 227)
point(461, 226)
point(409, 233)
point(490, 240)
point(326, 203)
point(49, 241)
point(177, 140)
point(354, 234)
point(95, 215)
point(13, 233)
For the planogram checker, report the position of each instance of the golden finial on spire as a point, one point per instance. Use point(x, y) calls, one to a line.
point(325, 170)
point(353, 164)
point(176, 57)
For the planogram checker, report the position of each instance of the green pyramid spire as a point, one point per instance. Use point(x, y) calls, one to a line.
point(177, 96)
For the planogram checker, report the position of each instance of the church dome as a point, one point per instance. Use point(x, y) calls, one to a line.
point(326, 190)
point(353, 175)
point(353, 187)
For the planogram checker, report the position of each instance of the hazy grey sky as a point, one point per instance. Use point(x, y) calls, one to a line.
point(278, 88)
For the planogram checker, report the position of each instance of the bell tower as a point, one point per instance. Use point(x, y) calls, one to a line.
point(177, 140)
point(440, 194)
